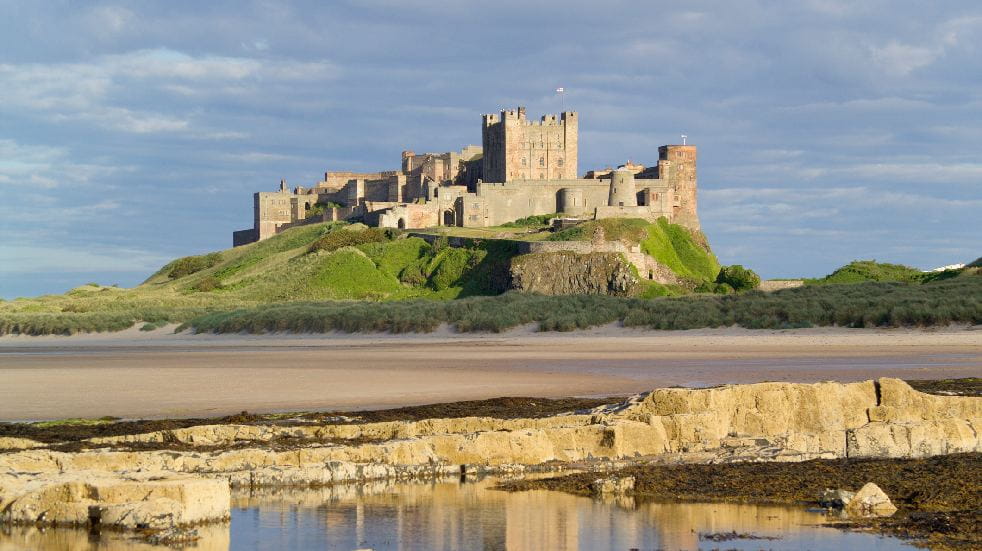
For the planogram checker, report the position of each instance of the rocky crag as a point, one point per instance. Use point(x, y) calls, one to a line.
point(569, 273)
point(182, 477)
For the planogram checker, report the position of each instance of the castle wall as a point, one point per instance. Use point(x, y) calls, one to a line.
point(409, 215)
point(513, 200)
point(243, 237)
point(335, 180)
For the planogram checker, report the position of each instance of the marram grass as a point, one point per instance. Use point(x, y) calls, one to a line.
point(862, 305)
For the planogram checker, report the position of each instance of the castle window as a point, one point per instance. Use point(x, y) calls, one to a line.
point(523, 161)
point(542, 161)
point(559, 162)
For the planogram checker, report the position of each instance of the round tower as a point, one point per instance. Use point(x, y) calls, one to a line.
point(571, 201)
point(622, 190)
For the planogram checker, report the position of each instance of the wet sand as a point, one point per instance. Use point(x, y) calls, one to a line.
point(159, 374)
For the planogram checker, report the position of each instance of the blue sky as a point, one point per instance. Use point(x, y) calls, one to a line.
point(135, 132)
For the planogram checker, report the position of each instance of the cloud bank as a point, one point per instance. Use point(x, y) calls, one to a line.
point(827, 130)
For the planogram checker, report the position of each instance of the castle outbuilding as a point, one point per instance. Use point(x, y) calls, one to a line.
point(523, 168)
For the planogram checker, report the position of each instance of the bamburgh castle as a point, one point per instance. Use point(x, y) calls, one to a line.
point(523, 168)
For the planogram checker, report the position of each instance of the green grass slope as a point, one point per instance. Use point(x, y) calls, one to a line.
point(863, 271)
point(685, 252)
point(285, 268)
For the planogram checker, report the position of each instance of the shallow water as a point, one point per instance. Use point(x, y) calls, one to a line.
point(457, 516)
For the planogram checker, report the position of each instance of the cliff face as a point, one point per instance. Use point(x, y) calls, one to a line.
point(568, 273)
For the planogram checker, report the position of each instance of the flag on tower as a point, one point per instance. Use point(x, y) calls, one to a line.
point(560, 90)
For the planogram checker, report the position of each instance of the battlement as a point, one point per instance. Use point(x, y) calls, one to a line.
point(519, 115)
point(677, 152)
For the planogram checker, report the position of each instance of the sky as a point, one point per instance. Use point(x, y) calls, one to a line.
point(132, 133)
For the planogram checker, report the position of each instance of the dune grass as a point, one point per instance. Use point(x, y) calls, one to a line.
point(874, 304)
point(860, 271)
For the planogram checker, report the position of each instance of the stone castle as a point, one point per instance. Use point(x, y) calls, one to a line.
point(523, 168)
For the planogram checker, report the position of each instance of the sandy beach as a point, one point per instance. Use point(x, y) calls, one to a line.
point(161, 374)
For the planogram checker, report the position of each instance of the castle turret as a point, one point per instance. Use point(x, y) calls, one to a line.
point(571, 201)
point(677, 166)
point(623, 193)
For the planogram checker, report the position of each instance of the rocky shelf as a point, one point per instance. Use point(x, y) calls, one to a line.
point(182, 477)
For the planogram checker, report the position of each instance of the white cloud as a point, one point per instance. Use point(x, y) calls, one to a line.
point(26, 169)
point(822, 201)
point(257, 157)
point(110, 19)
point(37, 258)
point(99, 91)
point(863, 105)
point(900, 59)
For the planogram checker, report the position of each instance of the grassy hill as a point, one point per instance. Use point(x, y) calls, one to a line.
point(336, 262)
point(350, 277)
point(862, 271)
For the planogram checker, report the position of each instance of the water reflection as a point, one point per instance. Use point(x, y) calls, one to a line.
point(21, 538)
point(454, 516)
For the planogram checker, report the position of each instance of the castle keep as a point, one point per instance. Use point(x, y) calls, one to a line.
point(523, 168)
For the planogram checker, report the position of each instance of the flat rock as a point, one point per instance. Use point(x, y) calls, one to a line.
point(125, 502)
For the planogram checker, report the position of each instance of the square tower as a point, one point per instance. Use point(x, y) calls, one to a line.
point(677, 166)
point(518, 149)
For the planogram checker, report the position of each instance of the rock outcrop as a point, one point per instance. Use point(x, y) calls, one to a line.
point(130, 501)
point(758, 422)
point(870, 500)
point(569, 273)
point(12, 443)
point(613, 485)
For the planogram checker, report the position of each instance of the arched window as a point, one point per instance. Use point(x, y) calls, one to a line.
point(542, 161)
point(523, 161)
